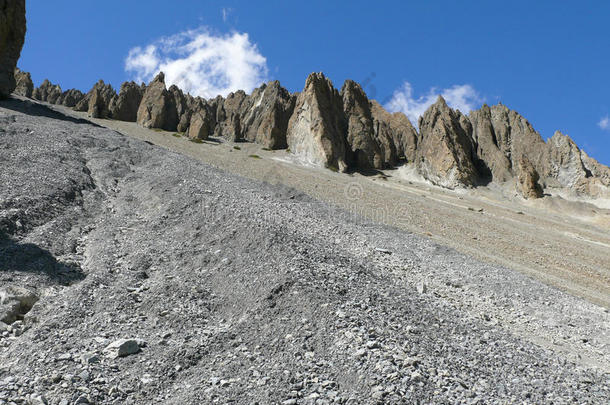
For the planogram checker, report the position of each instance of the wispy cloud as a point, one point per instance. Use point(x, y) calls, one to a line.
point(462, 97)
point(201, 63)
point(604, 123)
point(225, 13)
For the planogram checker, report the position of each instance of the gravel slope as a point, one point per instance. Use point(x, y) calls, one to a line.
point(561, 242)
point(246, 292)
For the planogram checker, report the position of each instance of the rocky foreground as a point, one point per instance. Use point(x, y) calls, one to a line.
point(134, 275)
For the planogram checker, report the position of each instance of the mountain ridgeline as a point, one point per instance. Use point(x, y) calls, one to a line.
point(345, 131)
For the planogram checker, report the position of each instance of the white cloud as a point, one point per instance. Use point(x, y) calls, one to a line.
point(462, 97)
point(201, 63)
point(604, 123)
point(225, 13)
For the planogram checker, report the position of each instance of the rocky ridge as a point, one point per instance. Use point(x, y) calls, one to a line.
point(345, 131)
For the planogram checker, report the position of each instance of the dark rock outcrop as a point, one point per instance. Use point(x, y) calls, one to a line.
point(266, 120)
point(316, 130)
point(157, 109)
point(47, 92)
point(182, 105)
point(100, 97)
point(229, 115)
point(489, 144)
point(71, 97)
point(397, 127)
point(202, 120)
point(445, 151)
point(365, 151)
point(83, 104)
point(125, 106)
point(24, 85)
point(12, 37)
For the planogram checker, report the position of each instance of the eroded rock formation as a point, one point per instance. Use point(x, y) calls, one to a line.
point(445, 151)
point(100, 97)
point(125, 106)
point(316, 130)
point(157, 109)
point(24, 85)
point(266, 120)
point(527, 179)
point(347, 131)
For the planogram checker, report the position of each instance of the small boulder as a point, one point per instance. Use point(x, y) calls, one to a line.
point(124, 347)
point(15, 302)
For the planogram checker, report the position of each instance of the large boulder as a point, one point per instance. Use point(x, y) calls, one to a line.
point(24, 85)
point(527, 179)
point(397, 127)
point(445, 152)
point(366, 152)
point(125, 106)
point(15, 302)
point(12, 36)
point(100, 97)
point(157, 109)
point(316, 130)
point(266, 120)
point(48, 92)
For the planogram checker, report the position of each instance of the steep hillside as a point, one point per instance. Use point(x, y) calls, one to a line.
point(232, 290)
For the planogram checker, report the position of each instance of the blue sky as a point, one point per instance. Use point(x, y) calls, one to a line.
point(549, 60)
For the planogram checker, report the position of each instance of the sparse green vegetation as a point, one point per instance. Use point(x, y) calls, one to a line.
point(288, 150)
point(196, 140)
point(267, 149)
point(236, 148)
point(177, 135)
point(255, 156)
